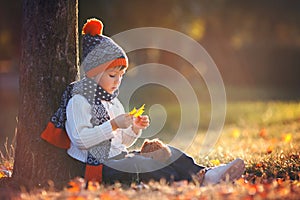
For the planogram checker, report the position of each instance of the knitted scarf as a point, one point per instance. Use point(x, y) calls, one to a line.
point(55, 132)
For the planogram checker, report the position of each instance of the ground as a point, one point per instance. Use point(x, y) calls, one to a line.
point(265, 134)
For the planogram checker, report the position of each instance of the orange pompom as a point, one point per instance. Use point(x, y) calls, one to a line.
point(92, 27)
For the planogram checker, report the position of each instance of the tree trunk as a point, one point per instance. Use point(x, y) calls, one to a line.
point(49, 62)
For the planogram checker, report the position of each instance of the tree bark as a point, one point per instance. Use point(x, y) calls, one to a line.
point(49, 62)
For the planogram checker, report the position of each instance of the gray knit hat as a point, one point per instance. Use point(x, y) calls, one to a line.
point(99, 52)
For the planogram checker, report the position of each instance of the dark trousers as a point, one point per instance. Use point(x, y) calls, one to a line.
point(179, 167)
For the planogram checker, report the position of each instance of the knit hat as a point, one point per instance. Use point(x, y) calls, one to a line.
point(99, 52)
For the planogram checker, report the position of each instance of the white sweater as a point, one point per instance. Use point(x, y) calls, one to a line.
point(83, 135)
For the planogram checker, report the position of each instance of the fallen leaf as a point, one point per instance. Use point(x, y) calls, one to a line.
point(2, 174)
point(236, 133)
point(287, 137)
point(263, 133)
point(93, 185)
point(215, 162)
point(270, 149)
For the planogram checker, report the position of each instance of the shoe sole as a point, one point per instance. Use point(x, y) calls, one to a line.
point(235, 170)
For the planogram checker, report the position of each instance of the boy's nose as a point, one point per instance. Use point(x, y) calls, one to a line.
point(118, 79)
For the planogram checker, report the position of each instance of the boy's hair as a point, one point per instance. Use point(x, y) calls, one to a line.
point(156, 150)
point(120, 67)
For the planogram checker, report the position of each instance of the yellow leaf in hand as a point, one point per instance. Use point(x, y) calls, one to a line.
point(137, 112)
point(140, 111)
point(133, 111)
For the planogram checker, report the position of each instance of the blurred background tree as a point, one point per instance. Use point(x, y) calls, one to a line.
point(255, 44)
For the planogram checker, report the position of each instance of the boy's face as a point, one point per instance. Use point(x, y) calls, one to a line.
point(110, 79)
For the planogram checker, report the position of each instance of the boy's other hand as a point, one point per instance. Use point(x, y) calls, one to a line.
point(141, 122)
point(121, 121)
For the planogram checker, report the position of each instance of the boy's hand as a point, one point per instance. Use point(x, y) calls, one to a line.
point(121, 121)
point(141, 122)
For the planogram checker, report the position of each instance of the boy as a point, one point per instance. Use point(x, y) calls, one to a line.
point(92, 124)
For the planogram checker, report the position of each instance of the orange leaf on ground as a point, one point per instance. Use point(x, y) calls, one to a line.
point(270, 149)
point(76, 185)
point(263, 133)
point(76, 198)
point(258, 165)
point(111, 195)
point(93, 185)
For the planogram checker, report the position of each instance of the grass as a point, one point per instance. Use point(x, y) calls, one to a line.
point(7, 160)
point(265, 134)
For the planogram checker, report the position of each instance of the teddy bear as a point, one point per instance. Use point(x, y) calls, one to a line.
point(156, 150)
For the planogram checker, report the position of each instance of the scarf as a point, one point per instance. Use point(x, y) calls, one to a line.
point(55, 132)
